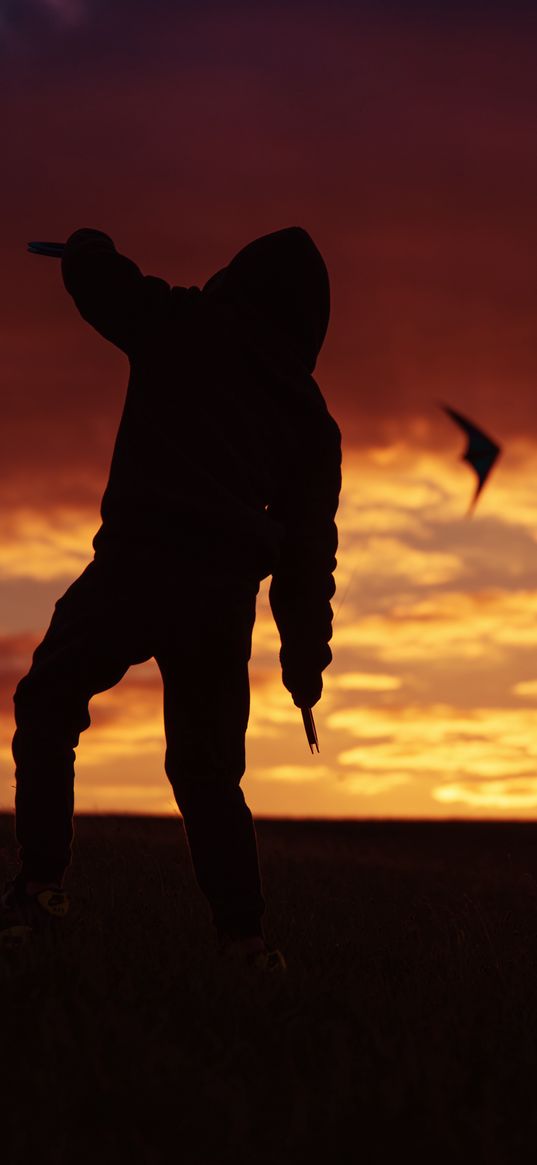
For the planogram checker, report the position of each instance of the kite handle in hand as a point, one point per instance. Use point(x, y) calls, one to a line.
point(309, 725)
point(55, 250)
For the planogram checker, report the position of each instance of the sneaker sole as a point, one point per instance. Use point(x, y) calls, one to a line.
point(269, 961)
point(14, 938)
point(43, 913)
point(260, 963)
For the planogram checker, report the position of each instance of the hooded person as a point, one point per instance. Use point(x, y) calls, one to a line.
point(241, 458)
point(226, 469)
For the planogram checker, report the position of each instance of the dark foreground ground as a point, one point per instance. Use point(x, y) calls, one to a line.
point(406, 1028)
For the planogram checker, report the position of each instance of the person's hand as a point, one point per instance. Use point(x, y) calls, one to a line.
point(308, 696)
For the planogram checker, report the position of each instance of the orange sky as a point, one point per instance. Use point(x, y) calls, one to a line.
point(406, 146)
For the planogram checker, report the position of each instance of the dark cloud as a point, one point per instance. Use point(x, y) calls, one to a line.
point(183, 132)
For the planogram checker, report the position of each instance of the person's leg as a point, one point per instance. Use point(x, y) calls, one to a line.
point(96, 633)
point(204, 666)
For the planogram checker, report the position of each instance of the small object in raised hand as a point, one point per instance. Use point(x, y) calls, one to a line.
point(55, 250)
point(309, 725)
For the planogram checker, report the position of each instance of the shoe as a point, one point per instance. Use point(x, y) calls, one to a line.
point(243, 952)
point(22, 914)
point(267, 961)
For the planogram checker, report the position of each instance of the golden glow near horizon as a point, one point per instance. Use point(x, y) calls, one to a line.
point(45, 546)
point(428, 708)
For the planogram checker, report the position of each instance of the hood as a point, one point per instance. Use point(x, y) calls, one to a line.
point(282, 278)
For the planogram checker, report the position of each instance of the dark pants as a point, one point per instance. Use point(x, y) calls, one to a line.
point(200, 634)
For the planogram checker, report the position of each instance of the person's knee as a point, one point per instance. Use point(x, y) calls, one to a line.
point(24, 695)
point(41, 705)
point(204, 796)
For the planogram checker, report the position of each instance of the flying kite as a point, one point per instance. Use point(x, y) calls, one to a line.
point(481, 451)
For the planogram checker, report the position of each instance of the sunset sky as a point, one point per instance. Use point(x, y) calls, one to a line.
point(403, 137)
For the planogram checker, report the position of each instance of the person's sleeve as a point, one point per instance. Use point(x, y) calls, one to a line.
point(108, 289)
point(303, 581)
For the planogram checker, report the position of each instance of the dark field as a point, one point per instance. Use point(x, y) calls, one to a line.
point(406, 1026)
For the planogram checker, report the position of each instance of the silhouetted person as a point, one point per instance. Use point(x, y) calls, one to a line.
point(226, 469)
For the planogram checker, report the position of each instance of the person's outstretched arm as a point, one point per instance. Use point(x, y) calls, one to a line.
point(109, 290)
point(303, 581)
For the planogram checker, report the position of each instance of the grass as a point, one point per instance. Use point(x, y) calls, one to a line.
point(406, 1024)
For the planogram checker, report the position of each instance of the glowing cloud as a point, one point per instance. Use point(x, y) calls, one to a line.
point(42, 546)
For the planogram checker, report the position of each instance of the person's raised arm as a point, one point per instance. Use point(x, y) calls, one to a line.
point(108, 289)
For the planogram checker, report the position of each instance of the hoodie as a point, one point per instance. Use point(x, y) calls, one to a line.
point(226, 460)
